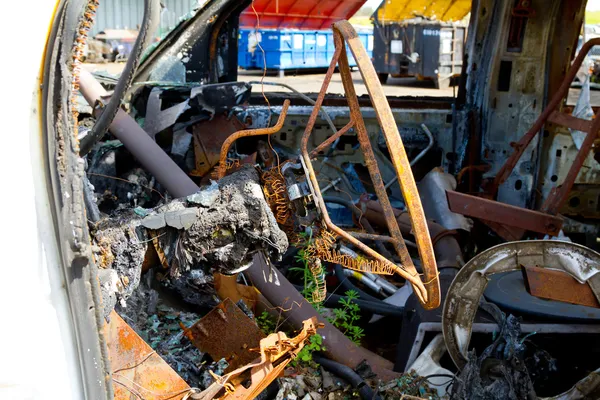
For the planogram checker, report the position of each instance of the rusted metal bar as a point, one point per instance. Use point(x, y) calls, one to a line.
point(505, 214)
point(570, 121)
point(559, 193)
point(400, 162)
point(331, 139)
point(370, 160)
point(556, 101)
point(557, 285)
point(372, 236)
point(428, 292)
point(222, 168)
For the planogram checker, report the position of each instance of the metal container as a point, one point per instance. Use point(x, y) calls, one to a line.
point(291, 49)
point(421, 48)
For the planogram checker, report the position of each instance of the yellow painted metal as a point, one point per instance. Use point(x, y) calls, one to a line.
point(441, 10)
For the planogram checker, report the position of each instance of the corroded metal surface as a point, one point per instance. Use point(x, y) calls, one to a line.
point(137, 370)
point(549, 111)
point(222, 168)
point(276, 352)
point(557, 285)
point(504, 214)
point(226, 332)
point(331, 139)
point(494, 213)
point(228, 288)
point(209, 136)
point(427, 290)
point(462, 300)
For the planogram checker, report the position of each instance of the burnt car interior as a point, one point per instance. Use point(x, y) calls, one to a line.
point(221, 241)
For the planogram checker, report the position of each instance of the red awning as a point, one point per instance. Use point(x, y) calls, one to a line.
point(299, 14)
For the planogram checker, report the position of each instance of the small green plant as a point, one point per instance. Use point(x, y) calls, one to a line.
point(310, 282)
point(346, 317)
point(266, 322)
point(305, 357)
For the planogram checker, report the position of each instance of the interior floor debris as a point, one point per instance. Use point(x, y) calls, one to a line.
point(314, 246)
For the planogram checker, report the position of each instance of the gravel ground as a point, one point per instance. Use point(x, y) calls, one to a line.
point(310, 82)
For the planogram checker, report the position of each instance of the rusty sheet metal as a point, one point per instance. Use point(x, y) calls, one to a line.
point(222, 168)
point(228, 288)
point(137, 371)
point(226, 332)
point(506, 232)
point(558, 285)
point(428, 290)
point(209, 136)
point(275, 353)
point(504, 214)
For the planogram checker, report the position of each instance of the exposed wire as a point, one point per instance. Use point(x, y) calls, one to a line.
point(130, 389)
point(262, 79)
point(136, 364)
point(303, 96)
point(128, 181)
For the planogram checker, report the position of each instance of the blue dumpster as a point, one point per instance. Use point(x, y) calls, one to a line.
point(291, 48)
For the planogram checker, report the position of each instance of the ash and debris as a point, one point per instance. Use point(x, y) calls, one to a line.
point(237, 223)
point(118, 182)
point(503, 370)
point(319, 384)
point(158, 323)
point(195, 287)
point(217, 368)
point(217, 229)
point(121, 246)
point(409, 384)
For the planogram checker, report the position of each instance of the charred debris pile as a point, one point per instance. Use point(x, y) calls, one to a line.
point(258, 261)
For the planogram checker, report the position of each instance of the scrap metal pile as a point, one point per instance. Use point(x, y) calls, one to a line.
point(208, 224)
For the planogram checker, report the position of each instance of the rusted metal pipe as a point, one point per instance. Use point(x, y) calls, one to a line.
point(446, 248)
point(222, 168)
point(137, 141)
point(295, 308)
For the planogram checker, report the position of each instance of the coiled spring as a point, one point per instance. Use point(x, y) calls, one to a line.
point(276, 194)
point(230, 164)
point(324, 249)
point(320, 292)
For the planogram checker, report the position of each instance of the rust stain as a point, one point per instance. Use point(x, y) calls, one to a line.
point(226, 332)
point(137, 369)
point(558, 285)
